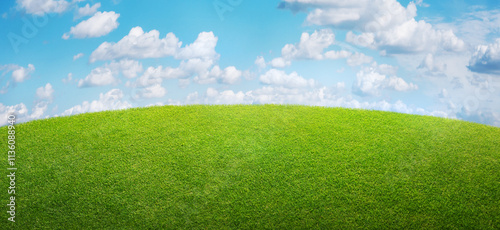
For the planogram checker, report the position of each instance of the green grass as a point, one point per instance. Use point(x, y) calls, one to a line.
point(254, 167)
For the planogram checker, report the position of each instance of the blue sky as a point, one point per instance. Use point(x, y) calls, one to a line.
point(65, 57)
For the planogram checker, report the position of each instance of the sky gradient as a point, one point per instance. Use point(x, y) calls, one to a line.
point(438, 58)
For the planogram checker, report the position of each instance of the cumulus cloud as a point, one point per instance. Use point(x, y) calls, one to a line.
point(432, 65)
point(45, 93)
point(357, 59)
point(280, 78)
point(213, 96)
point(484, 116)
point(160, 72)
point(332, 54)
point(77, 56)
point(154, 75)
point(319, 96)
point(102, 23)
point(112, 100)
point(128, 68)
point(280, 62)
point(149, 78)
point(18, 74)
point(87, 10)
point(409, 37)
point(41, 7)
point(486, 59)
point(44, 97)
point(155, 91)
point(99, 76)
point(68, 79)
point(421, 3)
point(203, 47)
point(203, 71)
point(139, 45)
point(260, 62)
point(384, 24)
point(19, 110)
point(229, 75)
point(107, 74)
point(370, 81)
point(38, 110)
point(310, 46)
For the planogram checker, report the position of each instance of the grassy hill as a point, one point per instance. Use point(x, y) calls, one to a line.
point(254, 167)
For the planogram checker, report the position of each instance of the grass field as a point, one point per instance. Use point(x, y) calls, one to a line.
point(254, 167)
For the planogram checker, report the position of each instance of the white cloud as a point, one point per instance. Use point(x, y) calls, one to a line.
point(41, 7)
point(476, 26)
point(280, 62)
point(148, 78)
point(203, 71)
point(112, 100)
point(332, 54)
point(225, 97)
point(421, 3)
point(44, 98)
point(429, 63)
point(106, 75)
point(310, 46)
point(357, 59)
point(229, 75)
point(128, 68)
point(203, 47)
point(78, 56)
point(372, 80)
point(260, 62)
point(68, 79)
point(102, 23)
point(87, 10)
point(401, 85)
point(45, 93)
point(38, 111)
point(384, 24)
point(409, 37)
point(280, 78)
point(19, 74)
point(138, 44)
point(199, 67)
point(305, 96)
point(385, 69)
point(163, 72)
point(486, 59)
point(369, 83)
point(213, 96)
point(19, 110)
point(98, 77)
point(183, 83)
point(155, 91)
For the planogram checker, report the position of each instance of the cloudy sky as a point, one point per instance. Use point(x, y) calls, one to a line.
point(65, 57)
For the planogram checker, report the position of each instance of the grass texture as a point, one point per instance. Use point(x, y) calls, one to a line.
point(254, 167)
